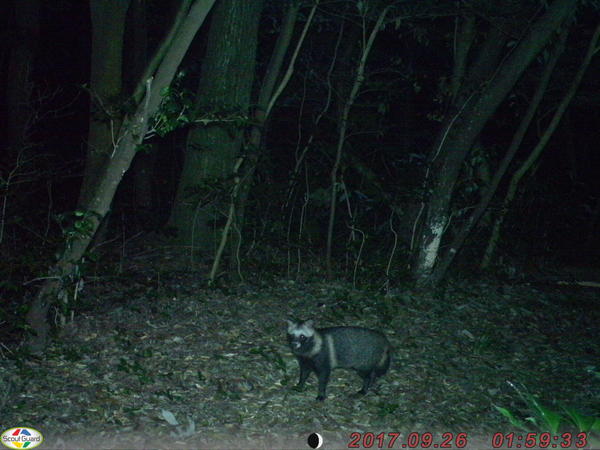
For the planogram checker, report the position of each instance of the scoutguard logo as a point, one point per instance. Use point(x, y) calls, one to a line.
point(21, 437)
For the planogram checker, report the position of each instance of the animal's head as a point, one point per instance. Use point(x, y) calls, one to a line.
point(301, 336)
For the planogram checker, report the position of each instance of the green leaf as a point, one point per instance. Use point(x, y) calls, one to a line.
point(550, 418)
point(511, 418)
point(581, 421)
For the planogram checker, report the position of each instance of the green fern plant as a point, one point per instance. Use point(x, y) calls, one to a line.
point(548, 420)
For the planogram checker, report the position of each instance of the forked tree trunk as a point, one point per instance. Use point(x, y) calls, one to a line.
point(461, 132)
point(441, 268)
point(157, 77)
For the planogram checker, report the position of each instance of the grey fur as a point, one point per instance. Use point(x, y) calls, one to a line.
point(321, 350)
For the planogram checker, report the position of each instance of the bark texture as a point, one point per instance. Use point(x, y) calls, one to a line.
point(463, 128)
point(201, 204)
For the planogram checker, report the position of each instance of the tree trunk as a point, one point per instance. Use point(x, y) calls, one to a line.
point(158, 76)
point(461, 131)
point(539, 148)
point(266, 100)
point(144, 162)
point(441, 268)
point(106, 81)
point(466, 82)
point(463, 43)
point(225, 89)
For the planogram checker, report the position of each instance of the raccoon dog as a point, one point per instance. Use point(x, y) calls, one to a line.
point(323, 349)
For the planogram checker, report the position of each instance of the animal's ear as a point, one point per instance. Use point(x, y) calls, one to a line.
point(291, 324)
point(310, 323)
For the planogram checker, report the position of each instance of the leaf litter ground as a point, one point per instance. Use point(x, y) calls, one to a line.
point(161, 362)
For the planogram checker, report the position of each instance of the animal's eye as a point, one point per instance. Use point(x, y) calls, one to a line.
point(302, 338)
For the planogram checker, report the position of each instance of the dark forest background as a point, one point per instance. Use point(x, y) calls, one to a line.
point(376, 141)
point(179, 176)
